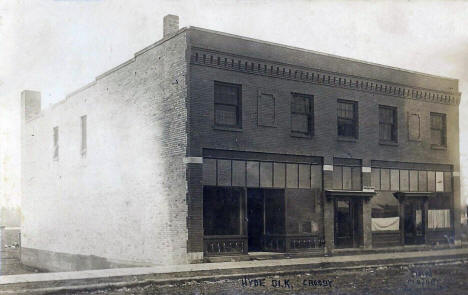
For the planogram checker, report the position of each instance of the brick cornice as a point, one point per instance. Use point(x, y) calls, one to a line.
point(244, 64)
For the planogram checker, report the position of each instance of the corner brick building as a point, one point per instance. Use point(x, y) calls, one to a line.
point(207, 144)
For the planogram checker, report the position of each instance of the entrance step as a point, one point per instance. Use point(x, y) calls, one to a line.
point(267, 255)
point(264, 256)
point(395, 249)
point(236, 258)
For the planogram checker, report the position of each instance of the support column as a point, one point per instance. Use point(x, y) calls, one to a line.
point(194, 172)
point(328, 207)
point(457, 208)
point(426, 222)
point(366, 206)
point(367, 223)
point(366, 174)
point(402, 222)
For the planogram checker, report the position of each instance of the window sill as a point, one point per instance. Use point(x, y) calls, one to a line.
point(438, 147)
point(347, 139)
point(299, 135)
point(225, 128)
point(391, 143)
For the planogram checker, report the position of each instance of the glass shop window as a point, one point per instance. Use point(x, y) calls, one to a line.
point(221, 210)
point(439, 211)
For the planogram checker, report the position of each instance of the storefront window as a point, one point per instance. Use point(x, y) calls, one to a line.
point(438, 215)
point(221, 211)
point(303, 216)
point(385, 212)
point(274, 212)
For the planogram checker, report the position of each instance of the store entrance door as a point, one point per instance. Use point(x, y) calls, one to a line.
point(414, 222)
point(348, 224)
point(255, 217)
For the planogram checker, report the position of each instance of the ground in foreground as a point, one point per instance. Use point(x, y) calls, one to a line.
point(428, 279)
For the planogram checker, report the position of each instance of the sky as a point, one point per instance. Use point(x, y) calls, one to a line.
point(57, 46)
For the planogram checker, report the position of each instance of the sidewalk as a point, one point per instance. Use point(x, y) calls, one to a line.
point(40, 283)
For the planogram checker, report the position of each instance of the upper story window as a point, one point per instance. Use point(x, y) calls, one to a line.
point(302, 114)
point(227, 105)
point(56, 143)
point(388, 124)
point(347, 114)
point(438, 129)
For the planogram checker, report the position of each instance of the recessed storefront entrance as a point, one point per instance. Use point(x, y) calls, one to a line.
point(239, 220)
point(265, 216)
point(259, 202)
point(413, 214)
point(348, 223)
point(350, 210)
point(414, 221)
point(255, 219)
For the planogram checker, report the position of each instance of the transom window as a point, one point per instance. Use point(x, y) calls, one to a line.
point(438, 129)
point(388, 123)
point(227, 104)
point(347, 118)
point(302, 114)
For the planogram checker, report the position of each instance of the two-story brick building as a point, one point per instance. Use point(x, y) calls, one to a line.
point(209, 144)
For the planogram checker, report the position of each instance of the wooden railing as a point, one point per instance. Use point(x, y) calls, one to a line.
point(440, 236)
point(274, 243)
point(225, 245)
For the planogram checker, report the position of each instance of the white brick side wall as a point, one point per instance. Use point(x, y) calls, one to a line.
point(126, 200)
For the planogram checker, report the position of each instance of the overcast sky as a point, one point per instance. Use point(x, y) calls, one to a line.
point(58, 46)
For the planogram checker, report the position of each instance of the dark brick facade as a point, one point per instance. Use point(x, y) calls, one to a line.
point(264, 68)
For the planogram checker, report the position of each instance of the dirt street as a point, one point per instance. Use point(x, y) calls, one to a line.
point(440, 279)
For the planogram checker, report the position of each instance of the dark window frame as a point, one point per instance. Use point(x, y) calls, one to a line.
point(393, 126)
point(309, 113)
point(442, 129)
point(354, 120)
point(219, 104)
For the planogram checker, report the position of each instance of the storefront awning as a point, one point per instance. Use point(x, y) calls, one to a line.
point(413, 195)
point(349, 194)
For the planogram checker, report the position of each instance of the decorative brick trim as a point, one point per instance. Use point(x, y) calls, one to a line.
point(238, 63)
point(366, 169)
point(193, 160)
point(368, 189)
point(259, 156)
point(327, 167)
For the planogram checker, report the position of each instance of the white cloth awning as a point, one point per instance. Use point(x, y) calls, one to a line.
point(384, 224)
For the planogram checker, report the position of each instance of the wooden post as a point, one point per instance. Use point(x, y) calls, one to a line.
point(367, 223)
point(402, 222)
point(425, 219)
